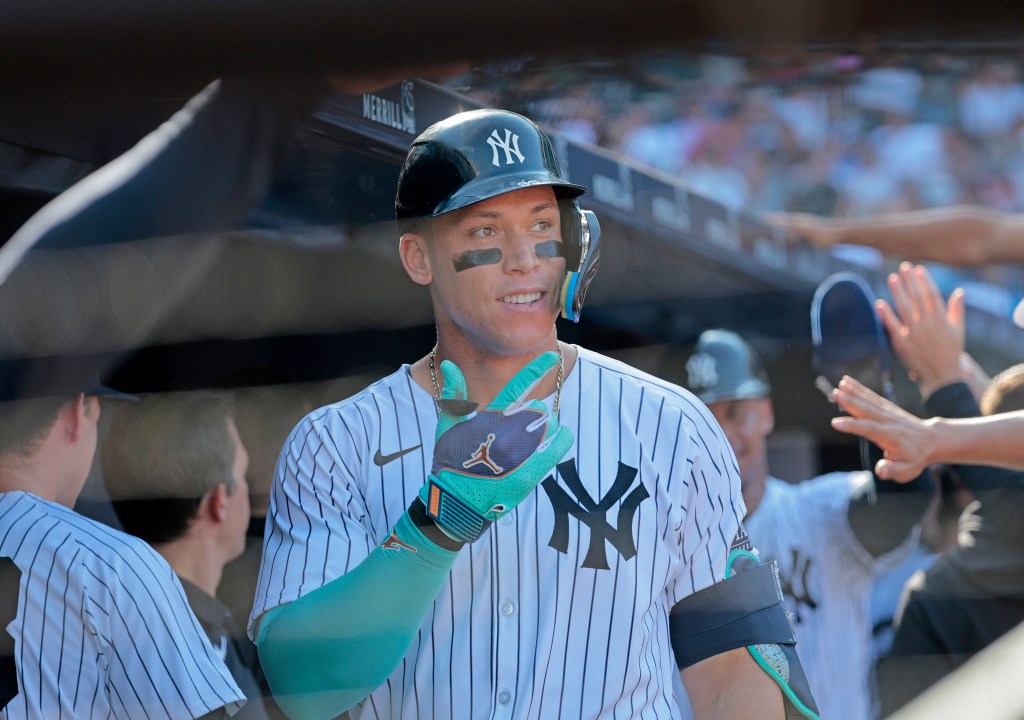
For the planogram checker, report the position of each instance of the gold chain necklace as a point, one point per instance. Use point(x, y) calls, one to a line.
point(558, 378)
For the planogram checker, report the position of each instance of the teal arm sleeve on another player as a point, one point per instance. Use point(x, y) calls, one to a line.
point(328, 650)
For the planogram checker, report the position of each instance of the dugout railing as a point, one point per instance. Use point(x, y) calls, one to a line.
point(311, 287)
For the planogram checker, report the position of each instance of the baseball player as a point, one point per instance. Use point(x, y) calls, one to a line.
point(175, 466)
point(412, 567)
point(95, 622)
point(831, 536)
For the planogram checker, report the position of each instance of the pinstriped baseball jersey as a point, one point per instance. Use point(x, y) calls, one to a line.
point(561, 608)
point(103, 628)
point(827, 577)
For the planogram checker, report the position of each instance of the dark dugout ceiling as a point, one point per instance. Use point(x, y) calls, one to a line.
point(47, 44)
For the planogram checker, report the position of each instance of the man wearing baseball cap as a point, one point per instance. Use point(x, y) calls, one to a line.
point(512, 526)
point(98, 622)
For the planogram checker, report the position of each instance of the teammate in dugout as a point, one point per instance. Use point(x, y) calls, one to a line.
point(412, 568)
point(93, 622)
point(831, 536)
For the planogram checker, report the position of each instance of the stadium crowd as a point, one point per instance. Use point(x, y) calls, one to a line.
point(816, 136)
point(857, 132)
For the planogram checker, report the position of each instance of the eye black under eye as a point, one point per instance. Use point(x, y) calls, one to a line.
point(549, 249)
point(475, 258)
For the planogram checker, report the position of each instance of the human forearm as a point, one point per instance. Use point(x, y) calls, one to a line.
point(957, 235)
point(992, 440)
point(958, 401)
point(326, 651)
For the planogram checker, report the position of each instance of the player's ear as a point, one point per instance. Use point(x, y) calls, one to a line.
point(767, 416)
point(73, 415)
point(412, 247)
point(216, 502)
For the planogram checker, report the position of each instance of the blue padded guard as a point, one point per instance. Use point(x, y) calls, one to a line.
point(745, 609)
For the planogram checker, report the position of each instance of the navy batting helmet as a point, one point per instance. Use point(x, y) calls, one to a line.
point(848, 336)
point(479, 154)
point(725, 367)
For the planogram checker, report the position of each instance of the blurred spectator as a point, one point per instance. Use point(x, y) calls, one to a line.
point(866, 187)
point(914, 153)
point(709, 175)
point(805, 110)
point(992, 101)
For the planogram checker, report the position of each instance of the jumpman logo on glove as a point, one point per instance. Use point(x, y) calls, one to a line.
point(482, 457)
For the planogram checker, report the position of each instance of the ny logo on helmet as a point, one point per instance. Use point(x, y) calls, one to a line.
point(701, 370)
point(510, 145)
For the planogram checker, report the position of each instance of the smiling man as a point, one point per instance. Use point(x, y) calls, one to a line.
point(412, 568)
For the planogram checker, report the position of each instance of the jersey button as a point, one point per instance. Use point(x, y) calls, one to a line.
point(506, 519)
point(507, 609)
point(504, 696)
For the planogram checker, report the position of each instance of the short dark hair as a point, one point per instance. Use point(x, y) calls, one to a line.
point(418, 225)
point(25, 423)
point(161, 456)
point(1005, 393)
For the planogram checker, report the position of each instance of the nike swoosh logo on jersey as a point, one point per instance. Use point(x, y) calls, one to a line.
point(382, 460)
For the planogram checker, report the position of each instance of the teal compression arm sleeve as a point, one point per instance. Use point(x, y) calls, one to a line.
point(329, 649)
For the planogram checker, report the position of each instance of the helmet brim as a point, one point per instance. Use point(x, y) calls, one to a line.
point(485, 188)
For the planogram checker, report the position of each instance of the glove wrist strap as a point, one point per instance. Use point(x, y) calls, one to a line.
point(451, 514)
point(429, 527)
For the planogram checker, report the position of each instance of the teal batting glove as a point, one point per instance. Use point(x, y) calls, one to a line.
point(487, 461)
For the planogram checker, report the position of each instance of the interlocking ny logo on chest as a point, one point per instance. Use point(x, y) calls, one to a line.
point(594, 514)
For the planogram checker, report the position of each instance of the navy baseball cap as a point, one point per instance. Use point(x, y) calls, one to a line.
point(25, 378)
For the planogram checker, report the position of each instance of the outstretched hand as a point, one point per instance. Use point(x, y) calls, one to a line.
point(906, 441)
point(926, 333)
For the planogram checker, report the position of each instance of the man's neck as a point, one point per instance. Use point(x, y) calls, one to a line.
point(487, 373)
point(753, 493)
point(195, 561)
point(29, 475)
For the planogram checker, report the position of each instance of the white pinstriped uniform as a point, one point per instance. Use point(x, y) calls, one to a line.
point(521, 629)
point(103, 628)
point(827, 576)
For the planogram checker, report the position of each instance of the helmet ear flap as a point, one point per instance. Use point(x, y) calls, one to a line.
point(572, 231)
point(581, 234)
